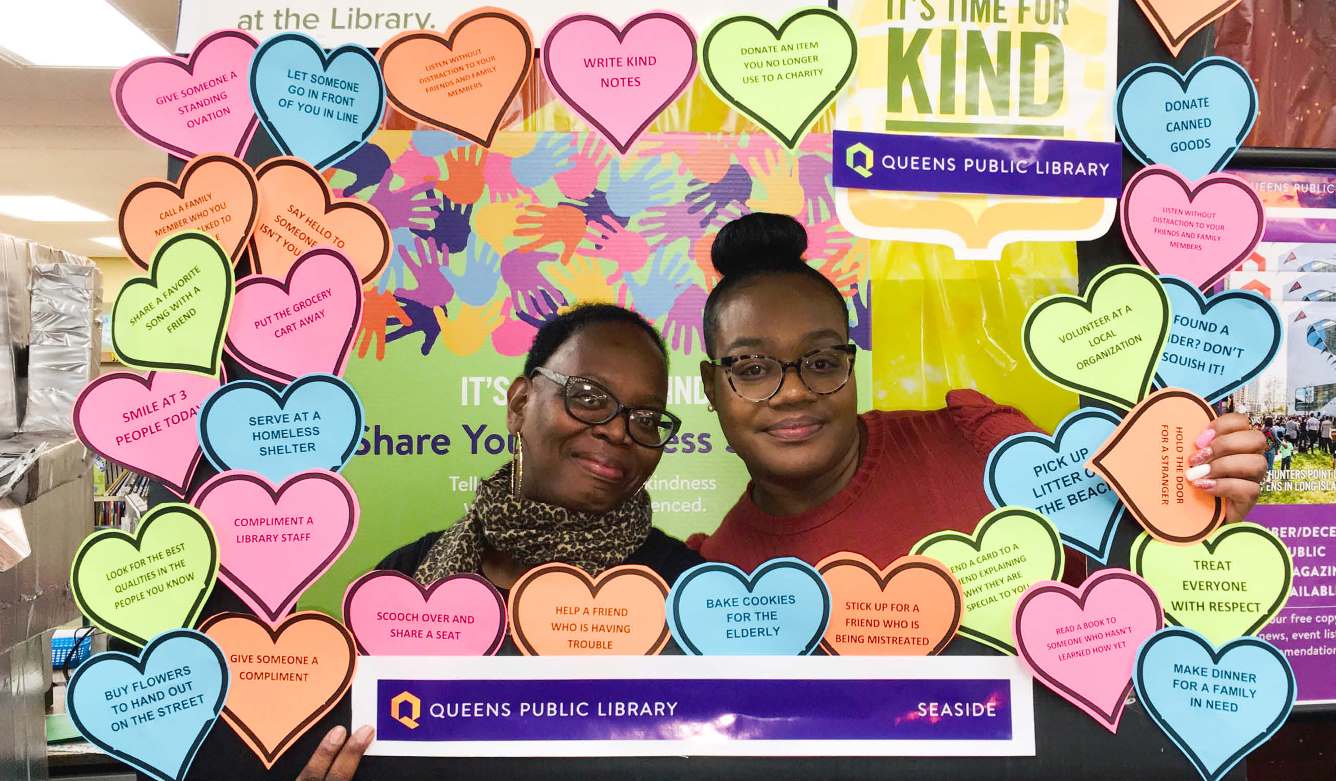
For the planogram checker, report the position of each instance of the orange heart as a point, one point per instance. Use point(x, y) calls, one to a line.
point(910, 608)
point(1144, 461)
point(216, 195)
point(559, 610)
point(298, 213)
point(1175, 21)
point(284, 679)
point(462, 81)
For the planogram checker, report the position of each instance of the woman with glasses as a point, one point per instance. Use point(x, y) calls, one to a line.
point(589, 423)
point(823, 477)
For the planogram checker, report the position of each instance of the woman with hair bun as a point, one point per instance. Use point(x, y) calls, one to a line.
point(826, 479)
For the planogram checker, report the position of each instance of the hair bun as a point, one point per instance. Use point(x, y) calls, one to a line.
point(760, 241)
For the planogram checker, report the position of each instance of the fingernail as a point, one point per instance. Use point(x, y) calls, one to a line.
point(335, 736)
point(1200, 457)
point(1198, 472)
point(1204, 485)
point(1204, 438)
point(363, 735)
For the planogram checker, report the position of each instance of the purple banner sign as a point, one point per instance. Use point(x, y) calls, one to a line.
point(668, 709)
point(969, 164)
point(1305, 631)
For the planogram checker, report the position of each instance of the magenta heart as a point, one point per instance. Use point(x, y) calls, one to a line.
point(305, 324)
point(620, 79)
point(147, 423)
point(391, 614)
point(193, 105)
point(1083, 643)
point(274, 543)
point(1199, 232)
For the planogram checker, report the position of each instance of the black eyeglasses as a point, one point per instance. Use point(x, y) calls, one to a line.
point(589, 402)
point(757, 378)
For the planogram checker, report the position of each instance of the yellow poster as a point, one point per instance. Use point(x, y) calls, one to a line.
point(1006, 102)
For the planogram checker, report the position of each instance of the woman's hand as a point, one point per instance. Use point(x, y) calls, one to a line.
point(1229, 463)
point(336, 759)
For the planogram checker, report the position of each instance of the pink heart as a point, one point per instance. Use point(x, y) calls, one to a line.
point(192, 105)
point(390, 614)
point(1198, 231)
point(1083, 643)
point(620, 79)
point(147, 423)
point(273, 544)
point(302, 325)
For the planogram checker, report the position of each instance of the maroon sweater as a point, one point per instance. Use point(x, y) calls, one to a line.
point(922, 472)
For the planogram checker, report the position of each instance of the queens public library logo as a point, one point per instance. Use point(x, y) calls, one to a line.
point(414, 709)
point(860, 160)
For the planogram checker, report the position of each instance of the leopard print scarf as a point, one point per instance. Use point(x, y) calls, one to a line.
point(535, 533)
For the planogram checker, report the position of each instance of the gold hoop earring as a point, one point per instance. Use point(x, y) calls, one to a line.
point(517, 470)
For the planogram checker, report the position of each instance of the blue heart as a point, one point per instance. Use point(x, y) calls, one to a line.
point(1204, 136)
point(1216, 347)
point(1046, 473)
point(1215, 728)
point(318, 107)
point(780, 609)
point(313, 424)
point(176, 687)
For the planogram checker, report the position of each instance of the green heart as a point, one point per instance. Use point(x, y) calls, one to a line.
point(176, 317)
point(781, 78)
point(1011, 549)
point(1249, 565)
point(137, 586)
point(1106, 344)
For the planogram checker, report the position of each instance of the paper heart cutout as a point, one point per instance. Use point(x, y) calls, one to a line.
point(1106, 343)
point(188, 672)
point(559, 610)
point(311, 519)
point(314, 423)
point(216, 194)
point(1082, 643)
point(267, 705)
point(1175, 21)
point(786, 106)
point(210, 83)
point(637, 71)
point(1145, 461)
point(297, 214)
point(786, 611)
point(391, 614)
point(1011, 549)
point(1156, 97)
point(912, 607)
point(1216, 346)
point(1249, 567)
point(175, 317)
point(135, 586)
point(161, 440)
point(411, 60)
point(316, 106)
point(1205, 715)
point(1048, 475)
point(1199, 231)
point(304, 324)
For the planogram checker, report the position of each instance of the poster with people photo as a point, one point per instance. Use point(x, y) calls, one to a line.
point(1293, 402)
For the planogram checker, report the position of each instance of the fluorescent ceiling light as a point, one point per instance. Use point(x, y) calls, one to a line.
point(109, 241)
point(72, 33)
point(47, 208)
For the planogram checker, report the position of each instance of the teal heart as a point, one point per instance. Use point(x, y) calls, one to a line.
point(1217, 706)
point(1194, 123)
point(780, 609)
